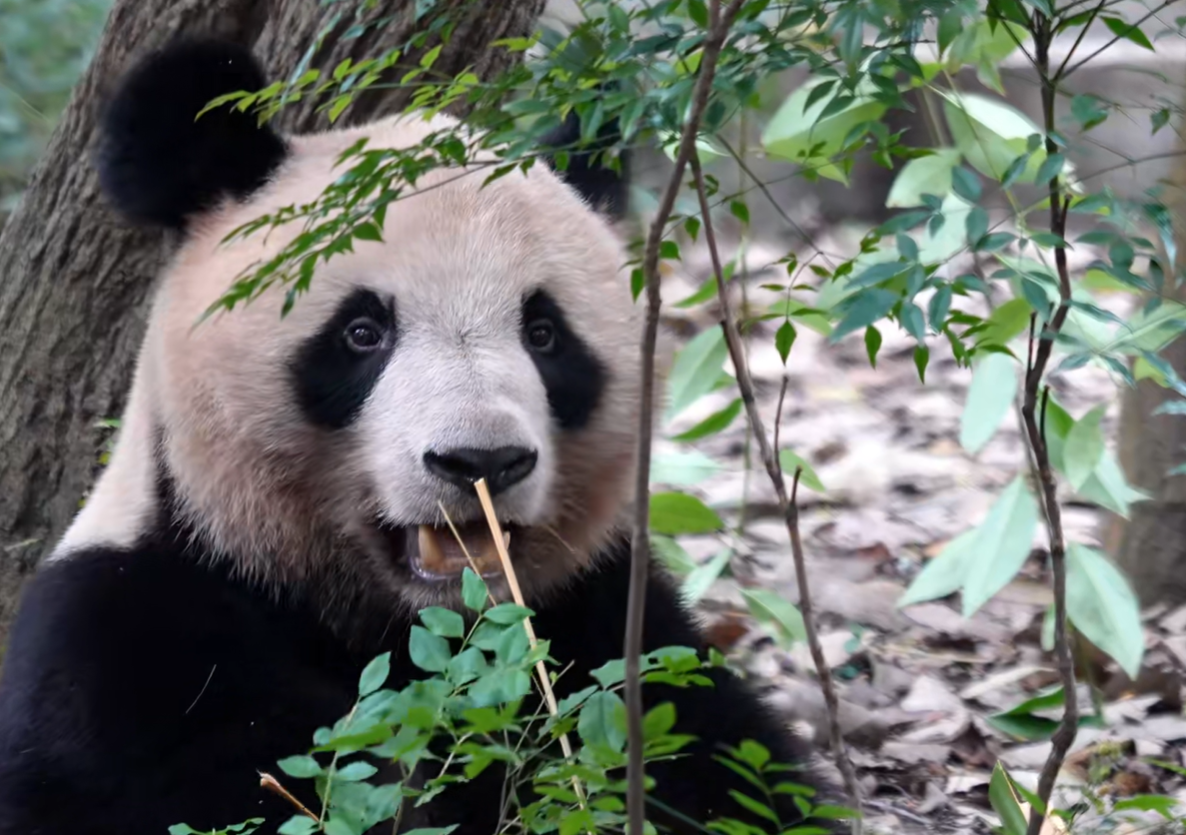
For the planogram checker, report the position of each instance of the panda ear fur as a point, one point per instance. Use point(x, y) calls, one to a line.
point(588, 171)
point(157, 164)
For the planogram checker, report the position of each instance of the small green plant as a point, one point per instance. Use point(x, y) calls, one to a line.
point(474, 710)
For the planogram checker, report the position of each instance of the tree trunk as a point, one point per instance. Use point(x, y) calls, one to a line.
point(75, 280)
point(1151, 545)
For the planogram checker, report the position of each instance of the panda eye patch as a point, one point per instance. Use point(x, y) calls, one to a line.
point(364, 335)
point(335, 369)
point(572, 374)
point(541, 335)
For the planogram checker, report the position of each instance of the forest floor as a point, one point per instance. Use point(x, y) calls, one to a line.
point(919, 685)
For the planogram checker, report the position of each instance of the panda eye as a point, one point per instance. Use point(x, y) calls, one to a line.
point(363, 336)
point(541, 335)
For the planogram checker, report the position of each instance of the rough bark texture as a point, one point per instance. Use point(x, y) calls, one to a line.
point(74, 281)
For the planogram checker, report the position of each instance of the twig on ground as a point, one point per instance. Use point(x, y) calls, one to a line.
point(718, 29)
point(1064, 736)
point(788, 505)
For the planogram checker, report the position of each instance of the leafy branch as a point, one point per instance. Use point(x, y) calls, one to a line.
point(1035, 431)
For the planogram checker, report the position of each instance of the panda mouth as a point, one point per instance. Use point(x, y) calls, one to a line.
point(434, 553)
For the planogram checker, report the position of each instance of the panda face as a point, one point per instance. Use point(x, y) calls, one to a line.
point(490, 335)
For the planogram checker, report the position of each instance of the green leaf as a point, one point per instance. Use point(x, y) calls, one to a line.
point(791, 461)
point(298, 825)
point(739, 210)
point(696, 369)
point(1003, 544)
point(702, 577)
point(1162, 805)
point(922, 356)
point(602, 721)
point(923, 175)
point(1050, 168)
point(1084, 447)
point(784, 339)
point(944, 574)
point(1102, 606)
point(658, 721)
point(939, 307)
point(799, 133)
point(679, 513)
point(760, 809)
point(473, 590)
point(965, 184)
point(506, 614)
point(682, 469)
point(780, 616)
point(993, 388)
point(991, 134)
point(1006, 322)
point(913, 322)
point(1108, 488)
point(994, 241)
point(302, 767)
point(868, 306)
point(712, 424)
point(374, 674)
point(356, 772)
point(1122, 29)
point(1004, 803)
point(443, 622)
point(428, 652)
point(872, 344)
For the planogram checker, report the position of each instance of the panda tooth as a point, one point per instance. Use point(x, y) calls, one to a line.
point(431, 555)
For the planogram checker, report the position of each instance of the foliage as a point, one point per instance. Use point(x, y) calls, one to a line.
point(474, 710)
point(973, 264)
point(43, 48)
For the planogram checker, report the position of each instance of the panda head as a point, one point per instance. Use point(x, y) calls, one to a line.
point(490, 334)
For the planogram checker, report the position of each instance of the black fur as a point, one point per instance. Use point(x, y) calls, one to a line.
point(156, 164)
point(572, 374)
point(588, 171)
point(144, 688)
point(330, 380)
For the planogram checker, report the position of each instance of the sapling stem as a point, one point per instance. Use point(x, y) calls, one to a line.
point(718, 29)
point(787, 505)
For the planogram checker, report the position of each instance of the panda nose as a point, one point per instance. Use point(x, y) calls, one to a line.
point(502, 468)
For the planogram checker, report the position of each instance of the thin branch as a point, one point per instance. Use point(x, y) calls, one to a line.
point(1062, 68)
point(719, 25)
point(788, 505)
point(1064, 736)
point(1063, 74)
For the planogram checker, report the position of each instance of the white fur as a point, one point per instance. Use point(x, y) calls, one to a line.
point(283, 496)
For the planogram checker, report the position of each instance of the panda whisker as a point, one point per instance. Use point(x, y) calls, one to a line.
point(559, 538)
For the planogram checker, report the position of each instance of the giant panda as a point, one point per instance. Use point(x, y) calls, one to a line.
point(270, 519)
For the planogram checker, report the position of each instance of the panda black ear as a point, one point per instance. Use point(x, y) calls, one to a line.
point(156, 164)
point(588, 171)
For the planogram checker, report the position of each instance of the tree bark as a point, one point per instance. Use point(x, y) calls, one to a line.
point(76, 280)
